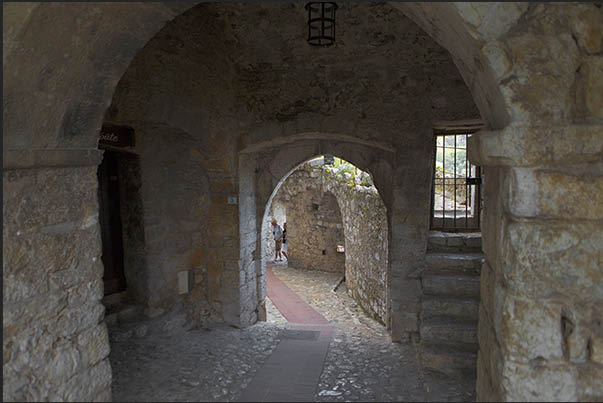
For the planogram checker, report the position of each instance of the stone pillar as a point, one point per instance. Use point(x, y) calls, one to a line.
point(540, 329)
point(409, 229)
point(250, 278)
point(55, 342)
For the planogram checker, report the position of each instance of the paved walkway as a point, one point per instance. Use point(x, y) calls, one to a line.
point(291, 305)
point(293, 370)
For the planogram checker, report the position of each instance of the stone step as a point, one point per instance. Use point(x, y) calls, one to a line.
point(459, 308)
point(454, 242)
point(444, 330)
point(450, 360)
point(123, 313)
point(450, 285)
point(454, 263)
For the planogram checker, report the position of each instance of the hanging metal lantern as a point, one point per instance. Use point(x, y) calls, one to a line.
point(321, 23)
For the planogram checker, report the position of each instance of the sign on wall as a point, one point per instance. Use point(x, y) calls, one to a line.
point(116, 136)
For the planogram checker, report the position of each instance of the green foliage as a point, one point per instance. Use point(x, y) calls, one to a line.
point(347, 173)
point(449, 161)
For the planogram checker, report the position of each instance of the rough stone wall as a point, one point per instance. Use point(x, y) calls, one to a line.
point(366, 247)
point(54, 341)
point(540, 317)
point(363, 217)
point(175, 193)
point(314, 228)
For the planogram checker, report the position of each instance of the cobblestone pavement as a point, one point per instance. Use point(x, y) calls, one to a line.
point(362, 363)
point(196, 365)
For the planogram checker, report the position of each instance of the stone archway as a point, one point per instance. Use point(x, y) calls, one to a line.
point(355, 219)
point(261, 178)
point(535, 75)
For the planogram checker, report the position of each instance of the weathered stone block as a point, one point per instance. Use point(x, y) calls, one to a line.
point(78, 318)
point(596, 349)
point(590, 386)
point(537, 382)
point(28, 351)
point(488, 285)
point(87, 272)
point(64, 362)
point(47, 253)
point(92, 291)
point(483, 386)
point(498, 58)
point(93, 344)
point(41, 309)
point(22, 285)
point(553, 194)
point(593, 70)
point(587, 26)
point(544, 59)
point(531, 329)
point(489, 349)
point(88, 383)
point(536, 146)
point(538, 255)
point(479, 15)
point(67, 194)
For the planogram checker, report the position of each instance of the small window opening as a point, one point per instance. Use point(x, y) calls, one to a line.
point(456, 183)
point(315, 207)
point(324, 251)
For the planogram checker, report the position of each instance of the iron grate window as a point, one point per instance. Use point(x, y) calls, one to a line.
point(456, 185)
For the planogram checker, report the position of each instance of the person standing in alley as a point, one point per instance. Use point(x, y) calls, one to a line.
point(277, 232)
point(284, 246)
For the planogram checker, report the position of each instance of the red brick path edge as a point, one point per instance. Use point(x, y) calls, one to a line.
point(291, 305)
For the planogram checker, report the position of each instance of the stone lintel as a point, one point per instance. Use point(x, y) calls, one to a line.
point(24, 159)
point(537, 146)
point(314, 137)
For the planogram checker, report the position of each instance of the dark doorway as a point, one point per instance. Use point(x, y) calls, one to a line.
point(110, 222)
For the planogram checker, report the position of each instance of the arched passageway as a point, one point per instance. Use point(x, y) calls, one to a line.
point(336, 222)
point(542, 109)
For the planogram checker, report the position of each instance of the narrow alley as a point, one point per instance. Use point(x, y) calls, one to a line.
point(361, 364)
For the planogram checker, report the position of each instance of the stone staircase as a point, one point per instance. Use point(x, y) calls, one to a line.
point(451, 292)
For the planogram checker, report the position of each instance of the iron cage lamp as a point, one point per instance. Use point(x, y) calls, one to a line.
point(321, 23)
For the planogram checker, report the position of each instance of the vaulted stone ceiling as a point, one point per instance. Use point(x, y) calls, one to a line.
point(229, 68)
